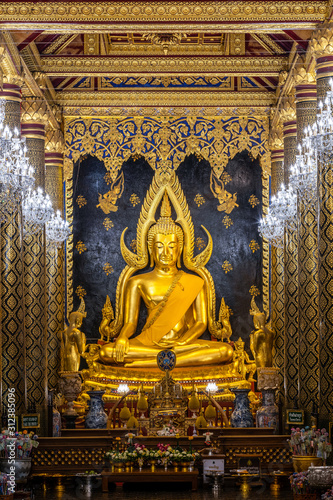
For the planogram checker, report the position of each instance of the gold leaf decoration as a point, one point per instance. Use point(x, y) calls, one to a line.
point(108, 178)
point(134, 199)
point(226, 266)
point(80, 247)
point(254, 291)
point(80, 292)
point(107, 268)
point(199, 243)
point(227, 221)
point(253, 200)
point(199, 200)
point(226, 178)
point(254, 246)
point(133, 245)
point(107, 223)
point(81, 201)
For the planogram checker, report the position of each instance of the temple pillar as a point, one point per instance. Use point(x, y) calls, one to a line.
point(322, 46)
point(277, 263)
point(291, 354)
point(55, 277)
point(34, 118)
point(306, 110)
point(12, 339)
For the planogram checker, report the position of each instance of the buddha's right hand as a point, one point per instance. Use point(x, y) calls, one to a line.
point(120, 349)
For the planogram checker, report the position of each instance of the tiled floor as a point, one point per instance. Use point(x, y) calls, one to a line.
point(70, 490)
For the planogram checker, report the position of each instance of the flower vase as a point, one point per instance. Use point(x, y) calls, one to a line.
point(153, 465)
point(176, 466)
point(268, 414)
point(118, 466)
point(96, 417)
point(241, 416)
point(302, 463)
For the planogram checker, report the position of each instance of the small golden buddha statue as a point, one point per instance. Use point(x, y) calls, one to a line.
point(177, 308)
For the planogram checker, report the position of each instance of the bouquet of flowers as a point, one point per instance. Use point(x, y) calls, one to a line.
point(299, 483)
point(207, 440)
point(328, 495)
point(23, 444)
point(183, 456)
point(165, 452)
point(308, 442)
point(4, 490)
point(168, 430)
point(117, 456)
point(141, 450)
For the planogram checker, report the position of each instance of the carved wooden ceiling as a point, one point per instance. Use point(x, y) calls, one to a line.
point(88, 56)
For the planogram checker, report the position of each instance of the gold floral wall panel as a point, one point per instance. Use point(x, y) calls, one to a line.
point(164, 143)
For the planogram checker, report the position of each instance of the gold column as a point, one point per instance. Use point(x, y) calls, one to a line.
point(54, 259)
point(34, 118)
point(322, 46)
point(277, 269)
point(306, 109)
point(291, 361)
point(13, 374)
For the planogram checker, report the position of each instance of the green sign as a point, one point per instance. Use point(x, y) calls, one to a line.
point(295, 417)
point(30, 421)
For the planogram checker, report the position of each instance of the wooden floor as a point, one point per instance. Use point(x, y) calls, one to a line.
point(147, 476)
point(69, 489)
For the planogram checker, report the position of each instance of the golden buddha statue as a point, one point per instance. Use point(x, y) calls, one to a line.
point(177, 307)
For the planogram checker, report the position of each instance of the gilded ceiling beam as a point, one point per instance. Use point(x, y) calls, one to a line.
point(91, 103)
point(139, 66)
point(139, 15)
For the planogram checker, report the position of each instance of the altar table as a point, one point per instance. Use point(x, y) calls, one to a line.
point(147, 476)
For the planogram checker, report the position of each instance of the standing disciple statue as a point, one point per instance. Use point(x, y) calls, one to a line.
point(176, 302)
point(74, 340)
point(261, 339)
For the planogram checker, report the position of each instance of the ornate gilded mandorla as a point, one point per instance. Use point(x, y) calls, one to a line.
point(181, 306)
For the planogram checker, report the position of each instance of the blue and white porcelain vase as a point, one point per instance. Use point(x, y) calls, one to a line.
point(241, 416)
point(96, 417)
point(268, 414)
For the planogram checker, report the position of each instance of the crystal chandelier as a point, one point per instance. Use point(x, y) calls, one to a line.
point(37, 210)
point(57, 231)
point(284, 207)
point(282, 214)
point(16, 173)
point(270, 228)
point(303, 177)
point(322, 130)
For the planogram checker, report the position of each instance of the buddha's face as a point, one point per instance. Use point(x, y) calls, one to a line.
point(166, 249)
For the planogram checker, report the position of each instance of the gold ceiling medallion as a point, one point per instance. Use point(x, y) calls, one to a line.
point(165, 39)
